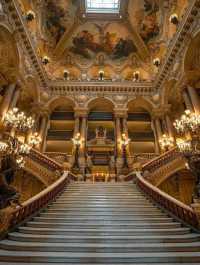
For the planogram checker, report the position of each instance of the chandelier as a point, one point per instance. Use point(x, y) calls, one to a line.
point(166, 142)
point(18, 120)
point(35, 139)
point(188, 144)
point(13, 147)
point(188, 122)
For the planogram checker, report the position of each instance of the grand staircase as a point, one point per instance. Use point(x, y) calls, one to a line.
point(101, 223)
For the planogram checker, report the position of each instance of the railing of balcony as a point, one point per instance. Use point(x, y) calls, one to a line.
point(60, 135)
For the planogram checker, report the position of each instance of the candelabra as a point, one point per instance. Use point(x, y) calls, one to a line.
point(166, 142)
point(188, 143)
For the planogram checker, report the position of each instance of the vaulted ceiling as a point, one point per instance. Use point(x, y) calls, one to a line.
point(117, 43)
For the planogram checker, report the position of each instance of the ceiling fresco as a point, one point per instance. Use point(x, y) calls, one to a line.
point(82, 45)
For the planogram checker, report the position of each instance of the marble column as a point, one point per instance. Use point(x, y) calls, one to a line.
point(194, 99)
point(125, 130)
point(157, 146)
point(76, 125)
point(118, 136)
point(83, 134)
point(158, 128)
point(187, 101)
point(15, 99)
point(7, 100)
point(170, 128)
point(43, 132)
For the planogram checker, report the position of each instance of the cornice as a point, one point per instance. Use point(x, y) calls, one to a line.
point(178, 41)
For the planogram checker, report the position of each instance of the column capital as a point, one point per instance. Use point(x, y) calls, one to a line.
point(80, 112)
point(121, 113)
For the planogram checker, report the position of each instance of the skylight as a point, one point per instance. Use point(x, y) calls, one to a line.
point(102, 6)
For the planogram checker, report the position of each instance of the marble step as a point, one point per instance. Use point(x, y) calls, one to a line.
point(52, 230)
point(18, 236)
point(100, 247)
point(104, 219)
point(30, 263)
point(85, 210)
point(99, 214)
point(96, 258)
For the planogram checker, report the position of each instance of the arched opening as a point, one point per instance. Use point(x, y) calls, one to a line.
point(100, 134)
point(61, 126)
point(140, 133)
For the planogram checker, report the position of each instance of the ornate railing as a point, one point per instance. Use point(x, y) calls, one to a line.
point(39, 201)
point(161, 160)
point(182, 211)
point(42, 167)
point(44, 160)
point(159, 169)
point(58, 156)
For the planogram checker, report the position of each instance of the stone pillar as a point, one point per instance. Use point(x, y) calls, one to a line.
point(118, 136)
point(15, 98)
point(43, 131)
point(82, 125)
point(157, 146)
point(76, 125)
point(7, 100)
point(83, 134)
point(194, 99)
point(158, 128)
point(125, 130)
point(187, 101)
point(170, 128)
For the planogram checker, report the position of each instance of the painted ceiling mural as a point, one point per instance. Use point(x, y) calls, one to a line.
point(83, 46)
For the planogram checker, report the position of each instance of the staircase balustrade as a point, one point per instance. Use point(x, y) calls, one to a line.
point(184, 212)
point(159, 169)
point(39, 201)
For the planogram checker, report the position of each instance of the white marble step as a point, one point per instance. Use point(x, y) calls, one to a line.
point(96, 258)
point(40, 237)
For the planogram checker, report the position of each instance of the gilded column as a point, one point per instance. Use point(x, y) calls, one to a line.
point(187, 101)
point(43, 131)
point(118, 136)
point(125, 130)
point(169, 126)
point(15, 99)
point(157, 146)
point(194, 99)
point(7, 100)
point(158, 128)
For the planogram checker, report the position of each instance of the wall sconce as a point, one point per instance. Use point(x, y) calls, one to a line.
point(156, 62)
point(45, 60)
point(136, 75)
point(30, 15)
point(174, 19)
point(101, 75)
point(66, 74)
